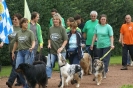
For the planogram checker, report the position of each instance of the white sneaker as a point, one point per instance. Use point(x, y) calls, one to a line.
point(131, 63)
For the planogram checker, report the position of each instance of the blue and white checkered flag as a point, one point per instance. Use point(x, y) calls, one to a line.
point(5, 22)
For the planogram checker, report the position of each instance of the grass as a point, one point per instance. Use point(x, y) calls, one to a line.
point(127, 86)
point(5, 72)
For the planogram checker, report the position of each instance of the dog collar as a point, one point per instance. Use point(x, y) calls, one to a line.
point(62, 65)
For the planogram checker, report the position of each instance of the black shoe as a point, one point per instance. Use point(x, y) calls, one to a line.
point(9, 84)
point(18, 84)
point(124, 68)
point(60, 84)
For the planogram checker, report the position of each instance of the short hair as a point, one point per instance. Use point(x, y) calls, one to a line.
point(23, 20)
point(71, 19)
point(103, 15)
point(54, 10)
point(33, 15)
point(74, 24)
point(19, 16)
point(76, 17)
point(94, 12)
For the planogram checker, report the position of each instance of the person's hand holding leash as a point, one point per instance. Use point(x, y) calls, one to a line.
point(91, 47)
point(13, 55)
point(60, 49)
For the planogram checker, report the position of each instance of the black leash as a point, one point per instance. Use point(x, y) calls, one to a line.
point(40, 53)
point(50, 56)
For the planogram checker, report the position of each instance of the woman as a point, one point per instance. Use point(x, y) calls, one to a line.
point(104, 34)
point(74, 49)
point(69, 21)
point(13, 75)
point(57, 40)
point(25, 42)
point(126, 33)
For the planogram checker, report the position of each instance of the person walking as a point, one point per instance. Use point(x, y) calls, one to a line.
point(13, 75)
point(25, 42)
point(57, 40)
point(88, 33)
point(126, 33)
point(74, 45)
point(105, 41)
point(36, 29)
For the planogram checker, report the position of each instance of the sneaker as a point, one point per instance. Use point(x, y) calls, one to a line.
point(124, 68)
point(9, 84)
point(60, 84)
point(131, 63)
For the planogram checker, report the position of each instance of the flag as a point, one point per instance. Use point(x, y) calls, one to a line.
point(5, 22)
point(26, 11)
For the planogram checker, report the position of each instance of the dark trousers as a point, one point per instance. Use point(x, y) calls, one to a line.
point(102, 52)
point(74, 59)
point(125, 49)
point(13, 74)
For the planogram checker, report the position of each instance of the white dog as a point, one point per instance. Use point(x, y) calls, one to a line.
point(69, 72)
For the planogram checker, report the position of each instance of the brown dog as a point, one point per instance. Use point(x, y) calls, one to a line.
point(86, 64)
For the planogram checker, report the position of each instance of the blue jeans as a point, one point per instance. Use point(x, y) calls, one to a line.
point(103, 51)
point(50, 63)
point(13, 74)
point(24, 56)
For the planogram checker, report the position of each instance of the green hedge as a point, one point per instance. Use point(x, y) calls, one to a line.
point(115, 10)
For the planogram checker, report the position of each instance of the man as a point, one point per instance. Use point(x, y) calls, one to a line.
point(126, 33)
point(88, 32)
point(36, 28)
point(53, 12)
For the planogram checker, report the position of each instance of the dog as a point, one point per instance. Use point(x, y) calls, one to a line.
point(34, 74)
point(99, 72)
point(86, 64)
point(69, 72)
point(39, 57)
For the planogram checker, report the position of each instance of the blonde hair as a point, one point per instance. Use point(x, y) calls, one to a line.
point(57, 15)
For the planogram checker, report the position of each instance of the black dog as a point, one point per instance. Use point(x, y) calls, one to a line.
point(41, 58)
point(34, 74)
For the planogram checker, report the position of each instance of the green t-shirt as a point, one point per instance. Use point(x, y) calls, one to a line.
point(103, 35)
point(11, 37)
point(24, 39)
point(89, 30)
point(68, 29)
point(57, 35)
point(62, 22)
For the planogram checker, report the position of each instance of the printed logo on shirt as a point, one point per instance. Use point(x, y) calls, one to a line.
point(55, 36)
point(130, 28)
point(22, 39)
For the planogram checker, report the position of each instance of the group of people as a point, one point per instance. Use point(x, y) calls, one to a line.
point(94, 37)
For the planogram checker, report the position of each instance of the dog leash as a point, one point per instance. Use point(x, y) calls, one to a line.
point(106, 54)
point(40, 53)
point(50, 56)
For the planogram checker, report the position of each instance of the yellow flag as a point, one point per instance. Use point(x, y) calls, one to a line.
point(27, 13)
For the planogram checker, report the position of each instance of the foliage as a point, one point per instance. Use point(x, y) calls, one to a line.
point(114, 9)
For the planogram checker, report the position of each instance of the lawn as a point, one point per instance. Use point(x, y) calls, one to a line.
point(5, 72)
